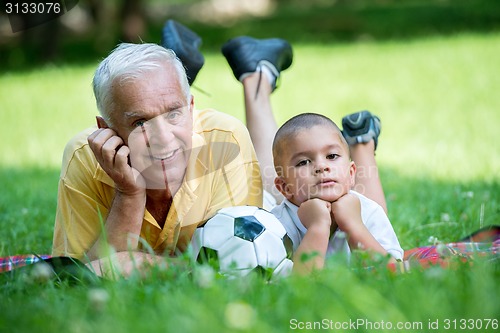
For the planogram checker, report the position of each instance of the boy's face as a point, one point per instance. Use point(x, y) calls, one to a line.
point(315, 164)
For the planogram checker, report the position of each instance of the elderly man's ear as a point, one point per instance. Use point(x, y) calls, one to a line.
point(101, 123)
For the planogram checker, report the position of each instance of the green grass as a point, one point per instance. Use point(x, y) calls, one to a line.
point(438, 100)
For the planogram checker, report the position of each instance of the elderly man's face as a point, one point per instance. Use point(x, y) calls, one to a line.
point(154, 118)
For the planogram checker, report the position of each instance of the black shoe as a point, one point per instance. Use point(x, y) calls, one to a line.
point(47, 268)
point(244, 54)
point(361, 127)
point(185, 44)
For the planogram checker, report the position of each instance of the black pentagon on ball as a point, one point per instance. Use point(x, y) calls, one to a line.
point(287, 241)
point(248, 228)
point(209, 256)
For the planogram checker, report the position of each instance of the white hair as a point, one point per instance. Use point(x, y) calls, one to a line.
point(127, 62)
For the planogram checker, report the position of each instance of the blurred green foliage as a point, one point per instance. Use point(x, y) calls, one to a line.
point(315, 21)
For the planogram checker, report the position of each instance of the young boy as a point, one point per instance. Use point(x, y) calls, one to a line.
point(312, 174)
point(315, 175)
point(313, 171)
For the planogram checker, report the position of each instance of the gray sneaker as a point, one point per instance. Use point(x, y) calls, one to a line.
point(361, 127)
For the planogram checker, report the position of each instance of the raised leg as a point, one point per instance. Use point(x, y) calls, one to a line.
point(262, 127)
point(367, 177)
point(257, 64)
point(361, 131)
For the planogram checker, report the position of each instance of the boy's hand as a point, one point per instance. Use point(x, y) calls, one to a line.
point(316, 217)
point(346, 212)
point(315, 212)
point(112, 155)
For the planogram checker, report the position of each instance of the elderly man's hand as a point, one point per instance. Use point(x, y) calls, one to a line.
point(112, 155)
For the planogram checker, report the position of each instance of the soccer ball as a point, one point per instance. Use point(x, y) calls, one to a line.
point(239, 240)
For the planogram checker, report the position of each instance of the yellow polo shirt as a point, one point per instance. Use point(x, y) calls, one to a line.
point(222, 171)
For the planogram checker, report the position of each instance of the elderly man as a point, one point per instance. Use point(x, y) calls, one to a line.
point(155, 168)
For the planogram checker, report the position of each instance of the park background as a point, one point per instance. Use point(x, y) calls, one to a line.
point(428, 68)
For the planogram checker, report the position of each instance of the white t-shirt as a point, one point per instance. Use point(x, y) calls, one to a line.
point(372, 214)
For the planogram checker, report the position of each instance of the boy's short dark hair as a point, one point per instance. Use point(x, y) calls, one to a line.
point(298, 123)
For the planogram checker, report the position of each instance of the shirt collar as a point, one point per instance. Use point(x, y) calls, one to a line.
point(292, 211)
